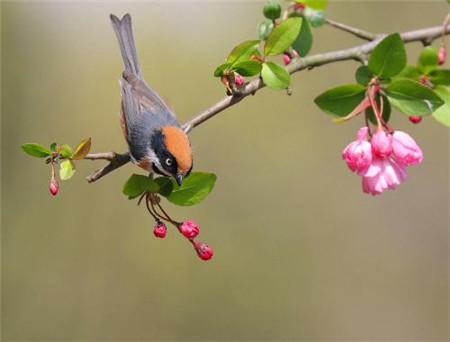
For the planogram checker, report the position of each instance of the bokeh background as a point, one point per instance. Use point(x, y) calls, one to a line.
point(300, 252)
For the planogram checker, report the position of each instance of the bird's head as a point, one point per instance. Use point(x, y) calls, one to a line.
point(173, 153)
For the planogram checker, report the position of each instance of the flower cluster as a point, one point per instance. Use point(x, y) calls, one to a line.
point(382, 160)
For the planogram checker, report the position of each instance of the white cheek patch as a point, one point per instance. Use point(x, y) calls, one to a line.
point(155, 161)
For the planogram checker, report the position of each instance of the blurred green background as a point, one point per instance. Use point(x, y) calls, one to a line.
point(300, 252)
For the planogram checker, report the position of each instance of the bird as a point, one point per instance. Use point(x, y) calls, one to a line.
point(156, 141)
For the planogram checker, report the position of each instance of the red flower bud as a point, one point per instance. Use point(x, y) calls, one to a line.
point(203, 251)
point(441, 55)
point(160, 230)
point(239, 80)
point(189, 229)
point(54, 186)
point(286, 59)
point(415, 119)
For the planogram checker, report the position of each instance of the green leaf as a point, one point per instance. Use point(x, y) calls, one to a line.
point(247, 68)
point(275, 76)
point(413, 98)
point(304, 40)
point(389, 56)
point(441, 76)
point(53, 147)
point(36, 150)
point(272, 10)
point(282, 36)
point(386, 110)
point(136, 185)
point(66, 169)
point(316, 18)
point(363, 75)
point(428, 60)
point(82, 149)
point(264, 28)
point(314, 4)
point(442, 114)
point(340, 101)
point(193, 190)
point(221, 69)
point(410, 72)
point(243, 51)
point(65, 151)
point(165, 186)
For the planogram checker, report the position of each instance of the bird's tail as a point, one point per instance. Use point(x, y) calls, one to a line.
point(124, 34)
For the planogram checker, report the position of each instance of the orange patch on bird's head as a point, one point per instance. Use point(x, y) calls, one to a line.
point(177, 143)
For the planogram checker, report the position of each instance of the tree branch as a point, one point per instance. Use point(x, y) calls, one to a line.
point(352, 30)
point(358, 53)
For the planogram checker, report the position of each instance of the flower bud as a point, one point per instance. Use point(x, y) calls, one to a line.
point(189, 229)
point(405, 149)
point(238, 79)
point(358, 154)
point(441, 55)
point(286, 59)
point(203, 251)
point(415, 119)
point(160, 230)
point(381, 143)
point(54, 186)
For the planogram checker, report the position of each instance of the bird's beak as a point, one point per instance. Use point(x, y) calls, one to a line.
point(179, 179)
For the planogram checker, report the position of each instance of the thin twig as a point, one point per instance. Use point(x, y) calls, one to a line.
point(352, 30)
point(357, 53)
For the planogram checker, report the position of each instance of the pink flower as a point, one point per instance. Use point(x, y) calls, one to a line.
point(203, 251)
point(381, 143)
point(238, 79)
point(358, 154)
point(441, 55)
point(189, 229)
point(383, 174)
point(54, 186)
point(160, 230)
point(405, 149)
point(286, 59)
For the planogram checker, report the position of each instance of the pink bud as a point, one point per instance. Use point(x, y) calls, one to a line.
point(415, 119)
point(203, 251)
point(286, 59)
point(54, 186)
point(405, 149)
point(160, 230)
point(189, 229)
point(381, 143)
point(358, 154)
point(383, 174)
point(239, 80)
point(441, 55)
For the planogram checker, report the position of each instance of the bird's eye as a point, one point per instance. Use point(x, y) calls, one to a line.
point(169, 161)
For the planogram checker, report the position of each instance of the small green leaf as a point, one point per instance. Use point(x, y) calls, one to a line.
point(66, 169)
point(386, 110)
point(275, 76)
point(137, 184)
point(264, 28)
point(315, 17)
point(304, 41)
point(220, 70)
point(282, 36)
point(442, 114)
point(243, 51)
point(340, 101)
point(272, 10)
point(165, 186)
point(82, 149)
point(65, 151)
point(441, 76)
point(193, 190)
point(412, 98)
point(53, 147)
point(389, 56)
point(247, 68)
point(314, 4)
point(410, 72)
point(36, 150)
point(428, 60)
point(363, 75)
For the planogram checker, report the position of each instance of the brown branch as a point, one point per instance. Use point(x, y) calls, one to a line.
point(358, 53)
point(352, 30)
